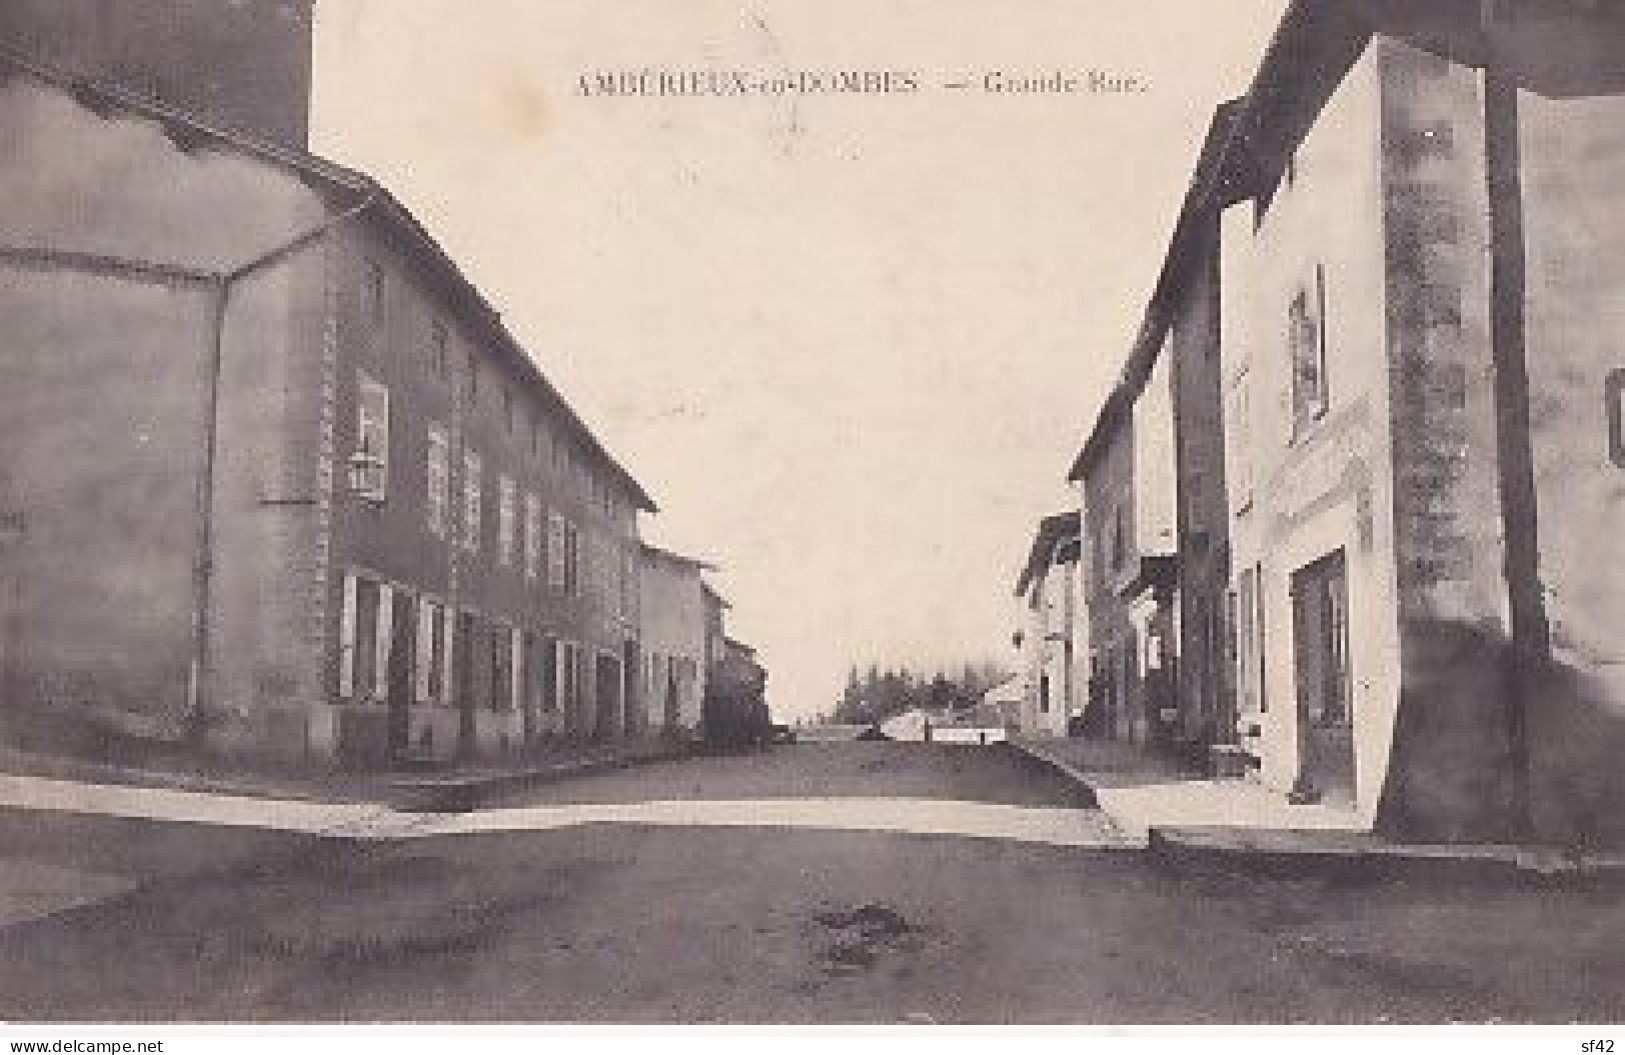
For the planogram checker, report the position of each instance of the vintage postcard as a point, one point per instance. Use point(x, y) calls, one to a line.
point(1094, 513)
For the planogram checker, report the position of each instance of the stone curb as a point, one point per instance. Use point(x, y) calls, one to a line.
point(450, 792)
point(453, 793)
point(1060, 765)
point(1490, 864)
point(1230, 848)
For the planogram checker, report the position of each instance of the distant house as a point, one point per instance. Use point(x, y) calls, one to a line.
point(673, 637)
point(979, 724)
point(735, 710)
point(1151, 478)
point(716, 609)
point(1053, 624)
point(1006, 700)
point(915, 724)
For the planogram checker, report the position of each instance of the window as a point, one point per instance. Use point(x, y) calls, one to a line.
point(500, 668)
point(471, 501)
point(572, 559)
point(472, 382)
point(568, 678)
point(376, 292)
point(549, 671)
point(533, 536)
point(1120, 537)
point(536, 437)
point(364, 633)
point(439, 348)
point(430, 669)
point(510, 412)
point(371, 459)
point(629, 582)
point(555, 551)
point(464, 686)
point(571, 681)
point(439, 480)
point(1308, 341)
point(1614, 388)
point(505, 515)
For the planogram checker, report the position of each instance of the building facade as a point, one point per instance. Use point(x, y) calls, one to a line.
point(1053, 627)
point(1396, 421)
point(278, 481)
point(1422, 407)
point(1125, 474)
point(673, 641)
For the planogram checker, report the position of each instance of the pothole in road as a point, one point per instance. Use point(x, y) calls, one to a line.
point(860, 936)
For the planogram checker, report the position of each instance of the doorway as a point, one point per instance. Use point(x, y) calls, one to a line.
point(398, 675)
point(463, 679)
point(1325, 708)
point(610, 717)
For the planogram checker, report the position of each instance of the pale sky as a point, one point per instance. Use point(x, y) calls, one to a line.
point(850, 344)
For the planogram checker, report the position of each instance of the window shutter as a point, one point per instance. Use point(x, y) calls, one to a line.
point(555, 551)
point(381, 646)
point(516, 667)
point(347, 639)
point(425, 650)
point(448, 622)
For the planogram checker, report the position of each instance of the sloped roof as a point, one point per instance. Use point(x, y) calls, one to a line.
point(1009, 690)
point(1052, 531)
point(1185, 249)
point(715, 594)
point(1559, 48)
point(190, 132)
point(671, 557)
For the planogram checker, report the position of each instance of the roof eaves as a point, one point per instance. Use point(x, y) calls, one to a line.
point(1052, 530)
point(1183, 250)
point(659, 552)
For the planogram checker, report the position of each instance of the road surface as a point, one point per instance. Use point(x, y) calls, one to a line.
point(629, 922)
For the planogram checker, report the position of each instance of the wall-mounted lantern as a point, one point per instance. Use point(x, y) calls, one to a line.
point(366, 476)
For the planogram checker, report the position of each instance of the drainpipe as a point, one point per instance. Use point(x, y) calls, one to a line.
point(220, 285)
point(1531, 634)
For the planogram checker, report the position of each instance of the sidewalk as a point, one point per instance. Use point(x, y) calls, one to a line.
point(449, 790)
point(1185, 817)
point(1144, 792)
point(358, 822)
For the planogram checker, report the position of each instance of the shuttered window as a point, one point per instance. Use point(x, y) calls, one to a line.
point(555, 551)
point(370, 462)
point(505, 521)
point(438, 504)
point(1308, 340)
point(533, 536)
point(471, 501)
